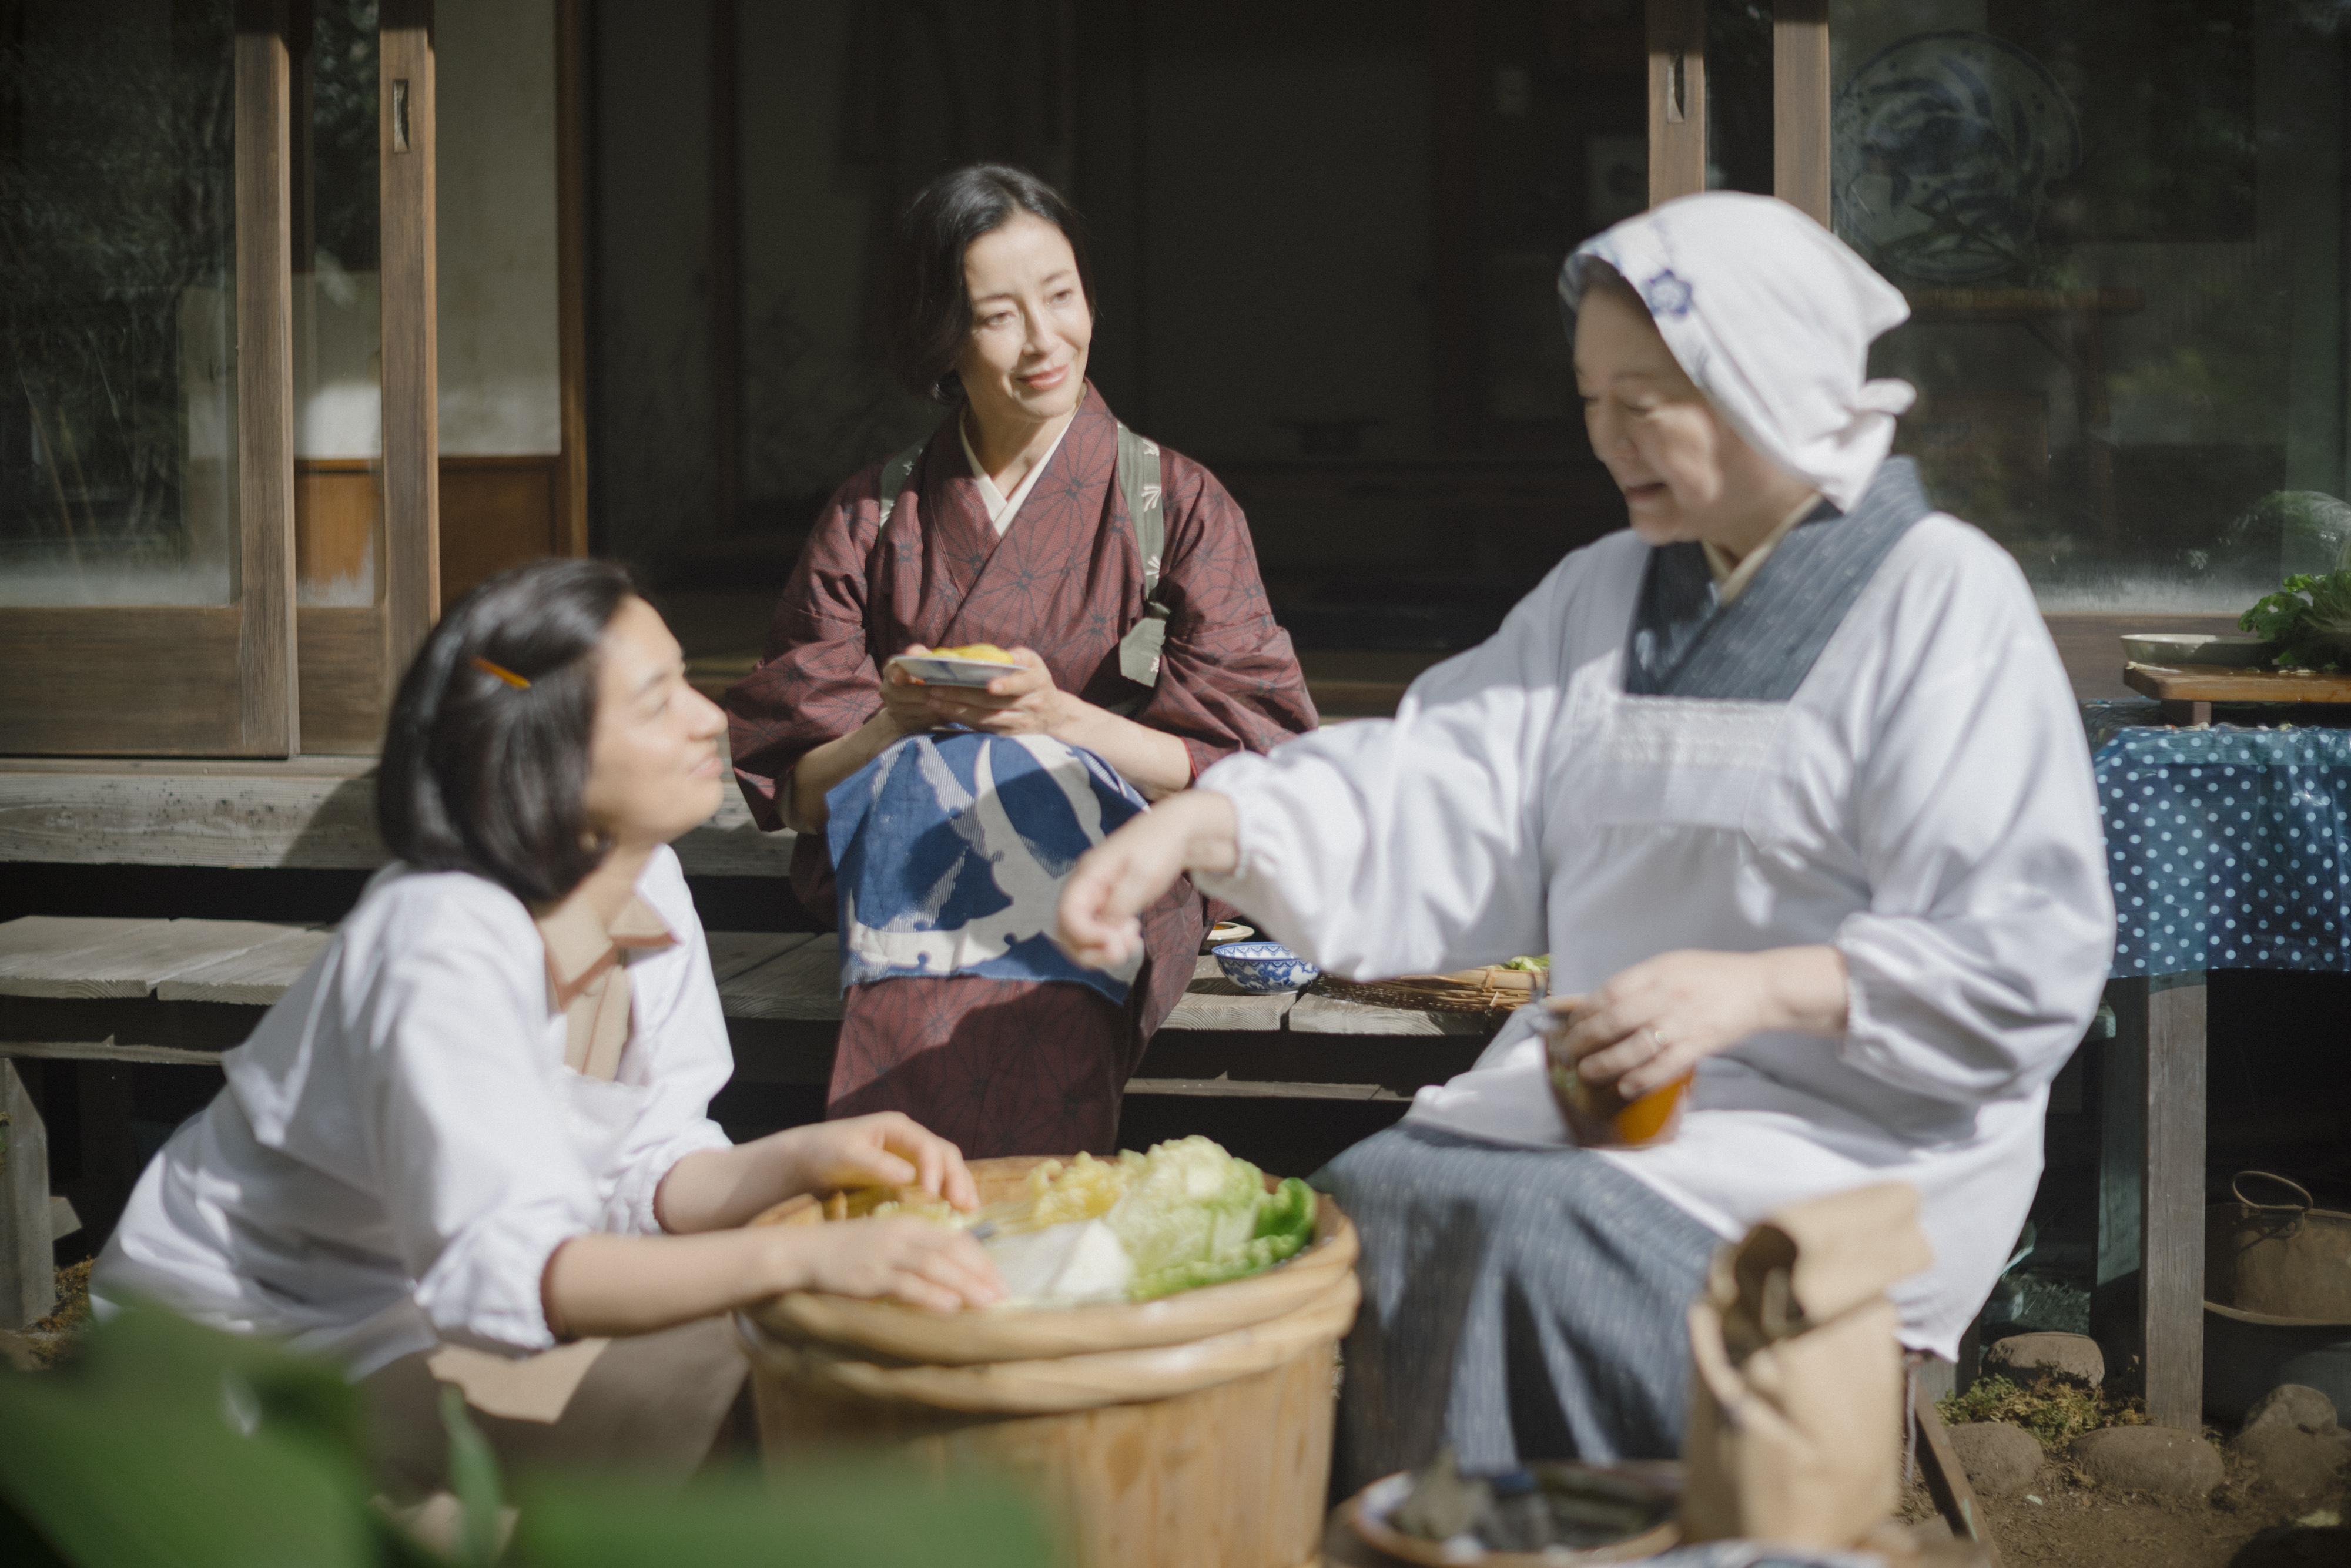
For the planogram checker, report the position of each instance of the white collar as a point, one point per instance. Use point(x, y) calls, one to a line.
point(1731, 580)
point(1001, 507)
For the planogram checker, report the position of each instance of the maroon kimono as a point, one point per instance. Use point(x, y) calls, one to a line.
point(1015, 1067)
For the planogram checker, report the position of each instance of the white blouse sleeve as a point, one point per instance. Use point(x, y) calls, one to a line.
point(1990, 926)
point(678, 1049)
point(478, 1184)
point(1380, 848)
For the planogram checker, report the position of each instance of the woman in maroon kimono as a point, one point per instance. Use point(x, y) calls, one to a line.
point(1010, 528)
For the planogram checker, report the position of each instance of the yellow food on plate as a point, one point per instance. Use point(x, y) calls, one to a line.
point(986, 653)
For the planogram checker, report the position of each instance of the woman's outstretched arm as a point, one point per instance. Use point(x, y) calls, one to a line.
point(717, 1189)
point(600, 1283)
point(1102, 902)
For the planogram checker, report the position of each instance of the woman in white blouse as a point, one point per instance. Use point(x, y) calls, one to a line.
point(1788, 780)
point(476, 1128)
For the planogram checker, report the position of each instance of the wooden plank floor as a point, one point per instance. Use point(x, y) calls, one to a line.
point(780, 992)
point(122, 959)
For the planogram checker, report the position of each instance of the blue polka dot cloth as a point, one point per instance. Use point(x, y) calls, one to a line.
point(2229, 847)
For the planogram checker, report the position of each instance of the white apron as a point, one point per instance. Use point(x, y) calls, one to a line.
point(1923, 802)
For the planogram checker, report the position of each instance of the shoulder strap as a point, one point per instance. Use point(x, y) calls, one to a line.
point(895, 472)
point(1139, 487)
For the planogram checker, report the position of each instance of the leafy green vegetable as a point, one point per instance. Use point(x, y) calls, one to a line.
point(1533, 966)
point(2309, 618)
point(1195, 1215)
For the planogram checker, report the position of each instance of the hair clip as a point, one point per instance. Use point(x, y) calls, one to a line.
point(508, 676)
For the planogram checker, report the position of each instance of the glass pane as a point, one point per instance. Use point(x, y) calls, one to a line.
point(2120, 225)
point(1739, 96)
point(117, 303)
point(338, 310)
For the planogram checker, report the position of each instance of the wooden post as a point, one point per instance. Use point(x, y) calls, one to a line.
point(2151, 1182)
point(412, 367)
point(1799, 105)
point(1676, 99)
point(265, 385)
point(2171, 1217)
point(29, 1276)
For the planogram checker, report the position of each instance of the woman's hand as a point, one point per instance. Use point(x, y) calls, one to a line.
point(1022, 701)
point(906, 701)
point(602, 1283)
point(1102, 902)
point(901, 1258)
point(1655, 1021)
point(887, 1148)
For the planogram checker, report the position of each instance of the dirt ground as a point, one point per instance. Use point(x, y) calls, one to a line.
point(2244, 1527)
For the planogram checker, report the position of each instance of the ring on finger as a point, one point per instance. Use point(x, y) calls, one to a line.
point(1656, 1041)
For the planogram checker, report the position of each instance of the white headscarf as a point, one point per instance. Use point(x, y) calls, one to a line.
point(1772, 316)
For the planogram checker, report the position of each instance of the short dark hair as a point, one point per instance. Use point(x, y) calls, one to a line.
point(929, 306)
point(482, 776)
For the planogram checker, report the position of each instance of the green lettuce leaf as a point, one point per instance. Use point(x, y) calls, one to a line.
point(2309, 618)
point(1195, 1215)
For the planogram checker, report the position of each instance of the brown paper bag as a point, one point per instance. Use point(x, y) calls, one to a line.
point(1797, 1399)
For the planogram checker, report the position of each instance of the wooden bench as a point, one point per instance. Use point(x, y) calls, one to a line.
point(97, 998)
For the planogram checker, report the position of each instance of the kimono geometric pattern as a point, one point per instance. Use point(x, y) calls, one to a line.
point(2229, 848)
point(1015, 1066)
point(1064, 579)
point(951, 848)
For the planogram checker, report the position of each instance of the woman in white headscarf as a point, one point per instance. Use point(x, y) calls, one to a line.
point(1788, 780)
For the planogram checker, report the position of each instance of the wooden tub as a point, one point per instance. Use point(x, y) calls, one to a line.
point(1189, 1432)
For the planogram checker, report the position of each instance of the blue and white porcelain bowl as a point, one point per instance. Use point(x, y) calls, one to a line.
point(1264, 967)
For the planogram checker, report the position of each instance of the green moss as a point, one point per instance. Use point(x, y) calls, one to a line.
point(2056, 1410)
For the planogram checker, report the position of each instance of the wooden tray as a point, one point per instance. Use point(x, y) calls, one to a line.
point(2222, 684)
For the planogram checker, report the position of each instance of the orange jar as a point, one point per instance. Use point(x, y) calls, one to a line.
point(1604, 1119)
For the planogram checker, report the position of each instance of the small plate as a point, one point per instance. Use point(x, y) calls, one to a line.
point(934, 670)
point(2240, 650)
point(1368, 1510)
point(1227, 931)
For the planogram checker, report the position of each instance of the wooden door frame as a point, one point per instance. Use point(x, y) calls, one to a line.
point(411, 372)
point(1799, 102)
point(199, 680)
point(1677, 30)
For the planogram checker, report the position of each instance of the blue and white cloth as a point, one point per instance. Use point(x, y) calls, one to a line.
point(950, 851)
point(2228, 847)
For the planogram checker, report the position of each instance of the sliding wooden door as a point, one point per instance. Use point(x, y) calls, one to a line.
point(146, 507)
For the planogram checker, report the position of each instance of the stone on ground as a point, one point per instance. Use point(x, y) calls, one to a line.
point(2290, 1461)
point(2291, 1405)
point(2164, 1460)
point(2023, 1357)
point(2000, 1456)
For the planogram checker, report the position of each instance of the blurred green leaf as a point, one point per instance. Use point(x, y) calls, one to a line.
point(853, 1516)
point(474, 1476)
point(165, 1444)
point(117, 1481)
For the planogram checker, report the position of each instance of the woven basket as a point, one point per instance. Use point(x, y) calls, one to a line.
point(1189, 1432)
point(1489, 989)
